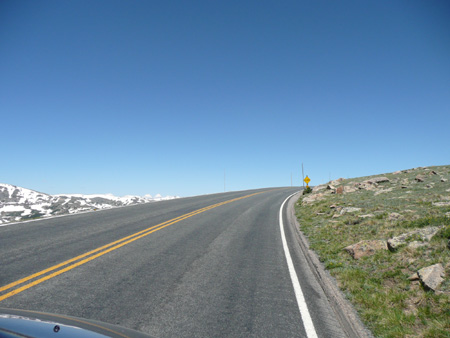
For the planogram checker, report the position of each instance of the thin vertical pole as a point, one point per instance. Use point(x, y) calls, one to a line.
point(303, 176)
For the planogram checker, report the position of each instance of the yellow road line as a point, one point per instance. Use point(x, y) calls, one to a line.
point(23, 280)
point(106, 248)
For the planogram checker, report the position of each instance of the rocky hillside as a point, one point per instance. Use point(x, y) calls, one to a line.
point(19, 204)
point(385, 238)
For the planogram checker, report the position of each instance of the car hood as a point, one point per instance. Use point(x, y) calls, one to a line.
point(32, 324)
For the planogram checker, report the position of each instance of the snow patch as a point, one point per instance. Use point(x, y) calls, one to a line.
point(31, 204)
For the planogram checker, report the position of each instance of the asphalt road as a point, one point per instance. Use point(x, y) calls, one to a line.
point(218, 272)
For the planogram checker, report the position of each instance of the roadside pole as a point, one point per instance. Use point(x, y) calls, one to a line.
point(303, 177)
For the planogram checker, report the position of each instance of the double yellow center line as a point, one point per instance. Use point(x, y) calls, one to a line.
point(93, 254)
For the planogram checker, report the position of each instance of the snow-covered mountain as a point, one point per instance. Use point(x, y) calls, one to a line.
point(19, 204)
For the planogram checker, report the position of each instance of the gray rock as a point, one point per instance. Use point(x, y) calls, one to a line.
point(420, 178)
point(379, 180)
point(383, 191)
point(414, 276)
point(337, 182)
point(393, 216)
point(319, 187)
point(424, 235)
point(441, 204)
point(431, 276)
point(348, 189)
point(365, 248)
point(366, 185)
point(311, 198)
point(417, 244)
point(349, 210)
point(367, 216)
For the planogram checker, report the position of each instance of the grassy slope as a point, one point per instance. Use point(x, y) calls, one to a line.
point(379, 287)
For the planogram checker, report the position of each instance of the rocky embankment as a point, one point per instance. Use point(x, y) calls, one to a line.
point(386, 240)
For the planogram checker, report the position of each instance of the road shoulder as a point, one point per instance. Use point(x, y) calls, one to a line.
point(344, 311)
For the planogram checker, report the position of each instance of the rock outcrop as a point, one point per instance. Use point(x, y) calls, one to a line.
point(365, 248)
point(419, 235)
point(432, 276)
point(420, 178)
point(349, 210)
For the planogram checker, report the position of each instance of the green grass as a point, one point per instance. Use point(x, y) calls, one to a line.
point(432, 220)
point(379, 287)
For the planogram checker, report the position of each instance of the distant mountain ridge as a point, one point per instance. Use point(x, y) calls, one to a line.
point(20, 204)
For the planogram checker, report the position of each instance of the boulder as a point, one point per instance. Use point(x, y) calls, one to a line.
point(337, 182)
point(393, 216)
point(319, 187)
point(366, 185)
point(379, 180)
point(431, 276)
point(365, 248)
point(414, 277)
point(331, 189)
point(420, 178)
point(383, 191)
point(312, 198)
point(417, 244)
point(348, 189)
point(424, 235)
point(441, 204)
point(349, 210)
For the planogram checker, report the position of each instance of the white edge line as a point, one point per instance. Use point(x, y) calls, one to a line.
point(304, 312)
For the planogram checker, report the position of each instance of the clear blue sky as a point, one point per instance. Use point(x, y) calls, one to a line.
point(147, 97)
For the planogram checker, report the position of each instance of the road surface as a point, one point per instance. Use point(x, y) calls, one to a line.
point(206, 266)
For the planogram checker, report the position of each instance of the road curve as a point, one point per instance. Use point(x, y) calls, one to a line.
point(206, 266)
